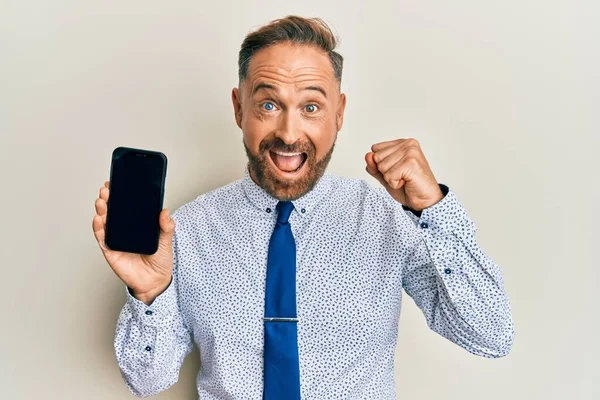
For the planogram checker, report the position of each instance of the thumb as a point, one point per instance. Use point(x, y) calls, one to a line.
point(372, 168)
point(371, 165)
point(167, 227)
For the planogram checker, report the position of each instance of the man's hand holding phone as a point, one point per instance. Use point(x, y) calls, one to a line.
point(146, 275)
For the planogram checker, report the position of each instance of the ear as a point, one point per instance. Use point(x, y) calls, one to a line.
point(237, 106)
point(339, 117)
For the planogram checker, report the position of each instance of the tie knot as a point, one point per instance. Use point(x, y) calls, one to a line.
point(284, 209)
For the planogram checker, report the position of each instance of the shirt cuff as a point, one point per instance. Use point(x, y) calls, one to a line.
point(160, 311)
point(446, 217)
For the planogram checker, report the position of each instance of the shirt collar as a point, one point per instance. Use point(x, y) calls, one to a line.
point(303, 206)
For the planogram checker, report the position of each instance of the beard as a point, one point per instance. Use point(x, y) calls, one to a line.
point(261, 169)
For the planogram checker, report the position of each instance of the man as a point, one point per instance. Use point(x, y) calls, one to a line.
point(290, 280)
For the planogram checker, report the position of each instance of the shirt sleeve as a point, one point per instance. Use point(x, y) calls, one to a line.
point(152, 341)
point(459, 289)
point(414, 214)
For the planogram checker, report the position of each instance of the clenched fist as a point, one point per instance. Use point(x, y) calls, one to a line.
point(400, 166)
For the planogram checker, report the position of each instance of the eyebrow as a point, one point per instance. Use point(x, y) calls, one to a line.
point(263, 86)
point(272, 87)
point(318, 89)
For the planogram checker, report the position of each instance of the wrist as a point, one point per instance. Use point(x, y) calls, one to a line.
point(149, 296)
point(436, 198)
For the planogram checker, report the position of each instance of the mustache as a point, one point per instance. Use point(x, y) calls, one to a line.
point(279, 145)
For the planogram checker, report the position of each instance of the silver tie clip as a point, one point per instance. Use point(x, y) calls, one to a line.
point(275, 319)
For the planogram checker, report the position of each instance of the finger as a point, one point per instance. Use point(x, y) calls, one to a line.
point(107, 184)
point(101, 207)
point(104, 193)
point(397, 175)
point(382, 154)
point(396, 184)
point(99, 232)
point(372, 169)
point(390, 160)
point(371, 165)
point(382, 145)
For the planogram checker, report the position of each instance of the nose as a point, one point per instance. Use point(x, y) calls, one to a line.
point(289, 128)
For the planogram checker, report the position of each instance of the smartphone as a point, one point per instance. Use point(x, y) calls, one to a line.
point(137, 186)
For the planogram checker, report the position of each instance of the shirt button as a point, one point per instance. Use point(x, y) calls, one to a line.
point(268, 210)
point(448, 271)
point(424, 225)
point(148, 348)
point(303, 210)
point(148, 312)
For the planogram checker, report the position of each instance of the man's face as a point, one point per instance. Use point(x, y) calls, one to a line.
point(290, 109)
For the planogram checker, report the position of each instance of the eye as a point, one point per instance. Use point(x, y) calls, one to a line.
point(268, 106)
point(311, 108)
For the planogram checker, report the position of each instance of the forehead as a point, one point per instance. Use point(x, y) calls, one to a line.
point(288, 63)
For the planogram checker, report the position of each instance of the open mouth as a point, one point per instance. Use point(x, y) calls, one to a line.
point(287, 163)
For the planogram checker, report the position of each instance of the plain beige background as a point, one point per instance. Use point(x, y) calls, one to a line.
point(503, 97)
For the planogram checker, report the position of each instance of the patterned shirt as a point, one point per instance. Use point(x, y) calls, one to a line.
point(357, 248)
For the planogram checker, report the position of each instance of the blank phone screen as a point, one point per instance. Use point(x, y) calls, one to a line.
point(135, 202)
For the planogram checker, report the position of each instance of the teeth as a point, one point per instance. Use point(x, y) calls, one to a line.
point(286, 154)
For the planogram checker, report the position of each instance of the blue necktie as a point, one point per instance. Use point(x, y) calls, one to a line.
point(281, 364)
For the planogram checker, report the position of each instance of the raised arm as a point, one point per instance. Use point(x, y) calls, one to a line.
point(459, 289)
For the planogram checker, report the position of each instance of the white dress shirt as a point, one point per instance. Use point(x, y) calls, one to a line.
point(357, 248)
